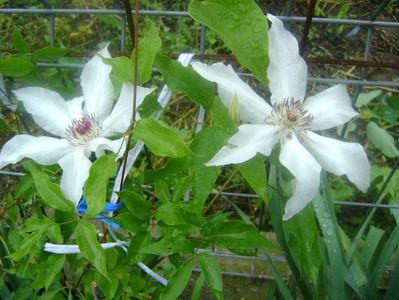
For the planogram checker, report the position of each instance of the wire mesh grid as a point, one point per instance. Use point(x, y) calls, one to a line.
point(361, 81)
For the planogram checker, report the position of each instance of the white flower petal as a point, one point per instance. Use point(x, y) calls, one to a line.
point(119, 119)
point(340, 158)
point(97, 87)
point(75, 108)
point(44, 150)
point(100, 144)
point(75, 166)
point(330, 108)
point(306, 171)
point(47, 108)
point(287, 71)
point(252, 108)
point(249, 140)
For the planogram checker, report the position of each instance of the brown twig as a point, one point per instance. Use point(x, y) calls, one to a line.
point(308, 23)
point(135, 84)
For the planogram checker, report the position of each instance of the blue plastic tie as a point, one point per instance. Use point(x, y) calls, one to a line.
point(109, 207)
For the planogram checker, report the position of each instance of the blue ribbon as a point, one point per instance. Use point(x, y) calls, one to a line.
point(109, 207)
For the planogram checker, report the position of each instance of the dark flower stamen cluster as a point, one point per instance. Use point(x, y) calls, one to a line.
point(83, 130)
point(291, 114)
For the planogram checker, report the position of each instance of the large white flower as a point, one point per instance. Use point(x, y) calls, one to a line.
point(288, 121)
point(82, 130)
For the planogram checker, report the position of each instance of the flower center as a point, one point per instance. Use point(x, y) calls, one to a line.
point(83, 130)
point(291, 115)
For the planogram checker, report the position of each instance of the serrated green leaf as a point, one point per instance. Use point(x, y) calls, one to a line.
point(49, 192)
point(16, 66)
point(213, 275)
point(96, 185)
point(233, 21)
point(161, 139)
point(90, 247)
point(50, 53)
point(19, 42)
point(178, 282)
point(382, 140)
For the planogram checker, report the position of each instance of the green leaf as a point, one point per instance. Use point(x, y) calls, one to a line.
point(205, 145)
point(16, 66)
point(169, 245)
point(48, 270)
point(24, 187)
point(304, 244)
point(162, 190)
point(178, 282)
point(181, 188)
point(96, 185)
point(148, 48)
point(123, 67)
point(392, 292)
point(233, 21)
point(19, 42)
point(364, 98)
point(254, 172)
point(384, 256)
point(373, 239)
point(27, 244)
point(130, 223)
point(213, 275)
point(197, 287)
point(331, 239)
point(220, 115)
point(182, 79)
point(382, 140)
point(49, 227)
point(236, 234)
point(89, 246)
point(161, 139)
point(49, 192)
point(50, 53)
point(108, 287)
point(171, 214)
point(137, 205)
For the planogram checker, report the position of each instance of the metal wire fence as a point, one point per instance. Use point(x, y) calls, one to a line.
point(361, 81)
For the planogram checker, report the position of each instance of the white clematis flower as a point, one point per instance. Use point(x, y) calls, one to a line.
point(289, 121)
point(82, 130)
